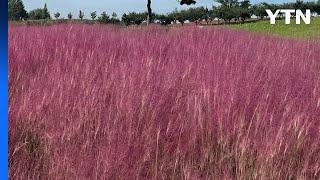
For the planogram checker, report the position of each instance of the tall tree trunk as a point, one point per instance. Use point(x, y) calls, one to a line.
point(149, 18)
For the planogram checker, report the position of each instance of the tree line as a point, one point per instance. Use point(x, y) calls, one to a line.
point(226, 11)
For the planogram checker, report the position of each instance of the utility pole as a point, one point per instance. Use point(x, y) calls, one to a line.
point(149, 17)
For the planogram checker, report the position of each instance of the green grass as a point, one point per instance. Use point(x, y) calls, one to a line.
point(280, 28)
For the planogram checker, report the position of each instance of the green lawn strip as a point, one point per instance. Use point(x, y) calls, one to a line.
point(280, 28)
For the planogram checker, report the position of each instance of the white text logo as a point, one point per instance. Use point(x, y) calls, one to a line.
point(288, 13)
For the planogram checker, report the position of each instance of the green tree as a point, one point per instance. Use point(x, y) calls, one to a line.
point(16, 10)
point(191, 14)
point(180, 16)
point(114, 18)
point(212, 13)
point(138, 18)
point(317, 7)
point(104, 18)
point(300, 5)
point(134, 18)
point(81, 15)
point(228, 9)
point(36, 14)
point(312, 6)
point(40, 13)
point(45, 13)
point(228, 3)
point(57, 15)
point(245, 10)
point(164, 19)
point(70, 16)
point(149, 9)
point(125, 19)
point(260, 10)
point(195, 14)
point(114, 15)
point(93, 15)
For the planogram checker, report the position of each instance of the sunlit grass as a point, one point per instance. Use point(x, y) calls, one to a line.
point(280, 28)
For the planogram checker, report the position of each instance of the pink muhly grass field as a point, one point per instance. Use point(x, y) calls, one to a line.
point(103, 102)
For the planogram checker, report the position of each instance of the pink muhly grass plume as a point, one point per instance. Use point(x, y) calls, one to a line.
point(103, 102)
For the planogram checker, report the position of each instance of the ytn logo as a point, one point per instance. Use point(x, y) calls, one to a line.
point(287, 13)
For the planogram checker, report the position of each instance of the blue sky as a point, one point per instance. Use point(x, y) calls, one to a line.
point(118, 6)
